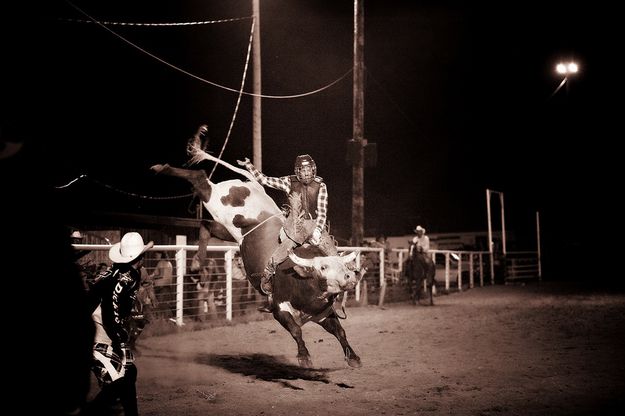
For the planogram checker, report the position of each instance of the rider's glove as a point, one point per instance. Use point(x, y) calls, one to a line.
point(243, 162)
point(316, 236)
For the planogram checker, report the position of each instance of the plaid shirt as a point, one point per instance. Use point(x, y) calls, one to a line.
point(283, 183)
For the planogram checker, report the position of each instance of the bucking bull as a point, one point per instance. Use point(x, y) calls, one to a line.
point(306, 284)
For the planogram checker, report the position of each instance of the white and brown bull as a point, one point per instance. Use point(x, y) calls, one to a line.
point(306, 284)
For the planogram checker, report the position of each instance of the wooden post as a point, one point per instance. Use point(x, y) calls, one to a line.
point(364, 297)
point(382, 294)
point(256, 112)
point(358, 157)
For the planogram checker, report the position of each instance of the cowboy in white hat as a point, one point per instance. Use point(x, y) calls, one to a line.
point(129, 248)
point(421, 241)
point(115, 290)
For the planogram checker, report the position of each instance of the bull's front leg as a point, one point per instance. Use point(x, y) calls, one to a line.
point(287, 321)
point(333, 326)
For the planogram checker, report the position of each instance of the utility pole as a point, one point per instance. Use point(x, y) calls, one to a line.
point(358, 155)
point(256, 124)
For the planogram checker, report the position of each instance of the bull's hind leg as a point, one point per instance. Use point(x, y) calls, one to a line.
point(333, 326)
point(287, 321)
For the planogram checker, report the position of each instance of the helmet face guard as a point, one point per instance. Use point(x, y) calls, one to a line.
point(305, 169)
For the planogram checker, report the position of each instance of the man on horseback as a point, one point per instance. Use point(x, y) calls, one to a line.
point(420, 242)
point(421, 266)
point(307, 221)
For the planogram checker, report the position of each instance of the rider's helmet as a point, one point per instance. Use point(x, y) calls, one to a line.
point(305, 168)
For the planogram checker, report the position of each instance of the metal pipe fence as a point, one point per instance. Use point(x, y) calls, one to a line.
point(227, 293)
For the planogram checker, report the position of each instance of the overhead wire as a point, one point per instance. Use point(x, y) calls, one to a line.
point(201, 22)
point(236, 110)
point(215, 84)
point(240, 92)
point(121, 191)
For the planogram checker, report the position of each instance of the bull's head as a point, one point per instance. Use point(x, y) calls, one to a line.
point(337, 271)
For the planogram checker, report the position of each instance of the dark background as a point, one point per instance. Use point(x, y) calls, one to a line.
point(458, 99)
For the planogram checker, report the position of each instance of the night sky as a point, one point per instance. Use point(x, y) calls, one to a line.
point(458, 99)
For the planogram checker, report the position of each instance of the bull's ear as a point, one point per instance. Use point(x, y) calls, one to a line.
point(303, 271)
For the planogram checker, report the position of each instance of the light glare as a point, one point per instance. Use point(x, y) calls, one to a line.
point(566, 68)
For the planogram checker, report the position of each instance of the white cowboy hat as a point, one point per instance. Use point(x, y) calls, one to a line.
point(419, 228)
point(129, 248)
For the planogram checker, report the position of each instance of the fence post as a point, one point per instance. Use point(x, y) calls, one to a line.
point(382, 260)
point(181, 270)
point(434, 281)
point(481, 270)
point(447, 271)
point(365, 294)
point(228, 260)
point(357, 288)
point(459, 271)
point(470, 270)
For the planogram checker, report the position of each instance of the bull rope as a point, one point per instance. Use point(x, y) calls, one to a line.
point(259, 224)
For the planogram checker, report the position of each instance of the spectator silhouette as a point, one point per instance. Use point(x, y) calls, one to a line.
point(163, 276)
point(205, 279)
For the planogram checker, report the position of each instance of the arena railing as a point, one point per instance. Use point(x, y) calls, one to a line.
point(181, 256)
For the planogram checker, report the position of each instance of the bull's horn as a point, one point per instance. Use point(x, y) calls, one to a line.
point(300, 261)
point(350, 257)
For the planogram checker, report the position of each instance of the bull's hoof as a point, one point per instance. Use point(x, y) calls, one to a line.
point(353, 361)
point(305, 362)
point(265, 309)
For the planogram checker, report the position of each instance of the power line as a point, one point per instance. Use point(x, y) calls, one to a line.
point(177, 68)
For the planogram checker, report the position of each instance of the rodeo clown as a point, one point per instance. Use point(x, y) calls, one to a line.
point(313, 200)
point(114, 292)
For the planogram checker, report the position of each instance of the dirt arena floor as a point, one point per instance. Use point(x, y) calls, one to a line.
point(498, 350)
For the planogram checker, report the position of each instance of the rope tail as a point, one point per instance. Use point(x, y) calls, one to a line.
point(196, 150)
point(197, 153)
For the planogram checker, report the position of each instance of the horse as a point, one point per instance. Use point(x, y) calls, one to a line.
point(419, 268)
point(306, 284)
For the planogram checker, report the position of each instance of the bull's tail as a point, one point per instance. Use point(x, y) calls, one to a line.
point(196, 145)
point(197, 153)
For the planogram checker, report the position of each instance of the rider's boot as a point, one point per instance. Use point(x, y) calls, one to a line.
point(266, 287)
point(268, 306)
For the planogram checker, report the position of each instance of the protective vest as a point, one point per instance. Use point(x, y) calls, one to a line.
point(309, 194)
